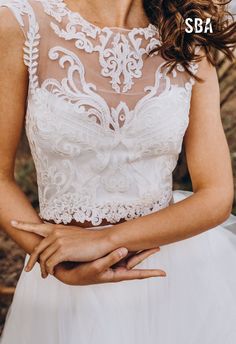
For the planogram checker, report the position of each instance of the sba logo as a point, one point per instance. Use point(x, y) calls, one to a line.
point(197, 25)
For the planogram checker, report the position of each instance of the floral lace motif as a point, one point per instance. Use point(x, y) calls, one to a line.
point(124, 56)
point(112, 212)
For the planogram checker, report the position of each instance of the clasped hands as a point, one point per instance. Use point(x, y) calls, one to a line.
point(80, 256)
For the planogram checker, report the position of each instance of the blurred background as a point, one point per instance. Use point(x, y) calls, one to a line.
point(12, 257)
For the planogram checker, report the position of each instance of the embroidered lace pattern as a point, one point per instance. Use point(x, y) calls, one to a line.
point(105, 121)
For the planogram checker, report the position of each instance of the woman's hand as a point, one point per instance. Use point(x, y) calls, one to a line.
point(102, 270)
point(129, 261)
point(64, 243)
point(54, 243)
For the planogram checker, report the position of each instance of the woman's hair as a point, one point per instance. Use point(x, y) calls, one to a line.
point(178, 46)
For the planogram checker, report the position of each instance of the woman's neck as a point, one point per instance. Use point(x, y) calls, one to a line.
point(116, 13)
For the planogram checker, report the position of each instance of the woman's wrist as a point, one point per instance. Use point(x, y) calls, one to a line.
point(105, 239)
point(111, 237)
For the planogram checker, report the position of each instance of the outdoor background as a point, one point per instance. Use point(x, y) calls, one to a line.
point(11, 257)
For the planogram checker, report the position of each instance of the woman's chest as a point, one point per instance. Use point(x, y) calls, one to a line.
point(155, 125)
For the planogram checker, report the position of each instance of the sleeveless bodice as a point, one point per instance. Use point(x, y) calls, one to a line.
point(105, 122)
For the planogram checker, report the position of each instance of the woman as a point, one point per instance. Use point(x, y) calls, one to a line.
point(108, 92)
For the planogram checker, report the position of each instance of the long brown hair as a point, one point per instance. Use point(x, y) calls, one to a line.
point(178, 46)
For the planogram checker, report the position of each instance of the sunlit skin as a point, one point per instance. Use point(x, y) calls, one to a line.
point(207, 156)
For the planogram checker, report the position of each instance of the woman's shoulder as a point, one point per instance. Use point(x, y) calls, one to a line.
point(18, 7)
point(20, 22)
point(11, 42)
point(13, 15)
point(11, 21)
point(23, 13)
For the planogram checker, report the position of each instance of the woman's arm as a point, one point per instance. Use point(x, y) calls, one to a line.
point(211, 203)
point(13, 202)
point(13, 95)
point(210, 169)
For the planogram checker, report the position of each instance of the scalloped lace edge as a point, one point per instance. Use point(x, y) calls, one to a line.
point(113, 212)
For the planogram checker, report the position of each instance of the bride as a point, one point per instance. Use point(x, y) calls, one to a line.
point(108, 92)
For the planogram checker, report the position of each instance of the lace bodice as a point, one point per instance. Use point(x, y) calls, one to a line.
point(105, 122)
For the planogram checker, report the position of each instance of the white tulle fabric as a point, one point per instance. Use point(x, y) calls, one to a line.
point(105, 124)
point(195, 303)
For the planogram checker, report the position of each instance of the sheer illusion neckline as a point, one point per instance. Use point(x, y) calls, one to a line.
point(150, 28)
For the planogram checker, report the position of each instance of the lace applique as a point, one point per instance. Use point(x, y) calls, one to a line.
point(193, 67)
point(31, 51)
point(123, 57)
point(54, 8)
point(31, 54)
point(90, 105)
point(113, 212)
point(117, 158)
point(120, 56)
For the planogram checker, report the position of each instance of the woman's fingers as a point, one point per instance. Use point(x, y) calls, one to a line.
point(56, 258)
point(106, 262)
point(37, 251)
point(37, 228)
point(139, 257)
point(100, 271)
point(122, 274)
point(45, 256)
point(104, 272)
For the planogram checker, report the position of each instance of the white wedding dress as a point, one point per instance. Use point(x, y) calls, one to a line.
point(105, 124)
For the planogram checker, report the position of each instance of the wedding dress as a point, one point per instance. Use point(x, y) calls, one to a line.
point(105, 124)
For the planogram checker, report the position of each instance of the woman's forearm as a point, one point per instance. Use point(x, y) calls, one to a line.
point(15, 205)
point(193, 215)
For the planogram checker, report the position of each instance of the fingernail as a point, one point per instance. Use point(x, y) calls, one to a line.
point(26, 269)
point(14, 222)
point(123, 251)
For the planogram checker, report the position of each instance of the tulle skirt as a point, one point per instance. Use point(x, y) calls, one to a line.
point(194, 304)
